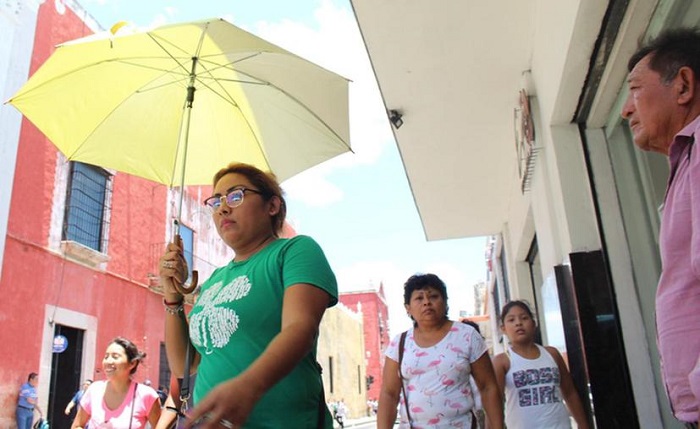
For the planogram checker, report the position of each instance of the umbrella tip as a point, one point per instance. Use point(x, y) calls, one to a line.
point(116, 27)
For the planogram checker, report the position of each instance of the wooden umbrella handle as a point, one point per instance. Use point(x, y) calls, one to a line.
point(184, 290)
point(180, 286)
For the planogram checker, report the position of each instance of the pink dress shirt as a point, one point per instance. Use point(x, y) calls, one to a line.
point(678, 294)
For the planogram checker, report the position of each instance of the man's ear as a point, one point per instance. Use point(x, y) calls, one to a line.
point(686, 81)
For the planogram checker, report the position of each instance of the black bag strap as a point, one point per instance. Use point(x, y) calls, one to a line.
point(133, 400)
point(185, 386)
point(402, 342)
point(320, 424)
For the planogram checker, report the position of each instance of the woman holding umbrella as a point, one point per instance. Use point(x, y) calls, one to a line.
point(255, 323)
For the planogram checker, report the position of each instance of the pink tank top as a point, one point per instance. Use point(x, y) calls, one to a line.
point(131, 413)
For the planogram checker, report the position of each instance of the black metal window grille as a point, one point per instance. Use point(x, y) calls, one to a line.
point(86, 202)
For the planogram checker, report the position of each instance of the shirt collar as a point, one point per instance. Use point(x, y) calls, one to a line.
point(683, 138)
point(692, 128)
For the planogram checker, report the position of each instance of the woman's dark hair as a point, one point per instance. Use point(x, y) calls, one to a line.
point(132, 352)
point(517, 303)
point(32, 376)
point(423, 281)
point(472, 324)
point(264, 182)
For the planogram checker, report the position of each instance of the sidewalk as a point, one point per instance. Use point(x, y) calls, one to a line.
point(356, 422)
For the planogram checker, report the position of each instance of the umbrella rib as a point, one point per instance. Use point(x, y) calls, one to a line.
point(303, 106)
point(156, 40)
point(193, 59)
point(271, 85)
point(233, 102)
point(68, 73)
point(147, 67)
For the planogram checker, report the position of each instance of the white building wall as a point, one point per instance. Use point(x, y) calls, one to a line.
point(563, 44)
point(577, 223)
point(547, 210)
point(560, 207)
point(17, 28)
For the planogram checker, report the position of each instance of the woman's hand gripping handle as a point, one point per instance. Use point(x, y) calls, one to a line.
point(173, 272)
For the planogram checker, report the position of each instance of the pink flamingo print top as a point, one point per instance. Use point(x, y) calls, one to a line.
point(437, 378)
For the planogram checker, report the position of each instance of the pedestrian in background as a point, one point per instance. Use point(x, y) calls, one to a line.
point(28, 402)
point(663, 111)
point(255, 323)
point(478, 406)
point(75, 401)
point(119, 402)
point(340, 413)
point(427, 371)
point(163, 393)
point(535, 379)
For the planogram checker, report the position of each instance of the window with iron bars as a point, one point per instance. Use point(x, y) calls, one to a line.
point(86, 206)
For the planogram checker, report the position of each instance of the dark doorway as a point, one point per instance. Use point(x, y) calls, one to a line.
point(594, 340)
point(65, 377)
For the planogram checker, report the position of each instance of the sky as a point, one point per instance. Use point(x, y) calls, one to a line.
point(358, 206)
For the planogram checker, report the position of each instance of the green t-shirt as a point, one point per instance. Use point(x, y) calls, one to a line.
point(239, 312)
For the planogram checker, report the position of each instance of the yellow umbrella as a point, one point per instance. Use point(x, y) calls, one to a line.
point(122, 102)
point(175, 103)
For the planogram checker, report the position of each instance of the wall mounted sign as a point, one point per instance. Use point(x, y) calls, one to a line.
point(60, 344)
point(525, 140)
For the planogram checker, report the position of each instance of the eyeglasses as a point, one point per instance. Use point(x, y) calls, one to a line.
point(233, 198)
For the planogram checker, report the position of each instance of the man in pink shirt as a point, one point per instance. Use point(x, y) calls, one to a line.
point(663, 110)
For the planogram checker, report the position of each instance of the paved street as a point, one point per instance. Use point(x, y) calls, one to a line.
point(362, 423)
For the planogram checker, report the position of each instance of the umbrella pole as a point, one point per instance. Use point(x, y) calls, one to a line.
point(184, 136)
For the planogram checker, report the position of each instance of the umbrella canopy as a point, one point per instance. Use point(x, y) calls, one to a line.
point(177, 103)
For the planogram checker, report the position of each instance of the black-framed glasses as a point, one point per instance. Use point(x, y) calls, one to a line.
point(233, 198)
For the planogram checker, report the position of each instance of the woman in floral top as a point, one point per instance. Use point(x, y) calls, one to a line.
point(438, 358)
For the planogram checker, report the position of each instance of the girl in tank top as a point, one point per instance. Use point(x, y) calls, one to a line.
point(537, 384)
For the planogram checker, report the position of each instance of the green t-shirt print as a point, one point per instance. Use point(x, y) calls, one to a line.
point(238, 313)
point(216, 321)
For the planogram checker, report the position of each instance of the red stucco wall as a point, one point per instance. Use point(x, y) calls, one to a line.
point(376, 339)
point(34, 276)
